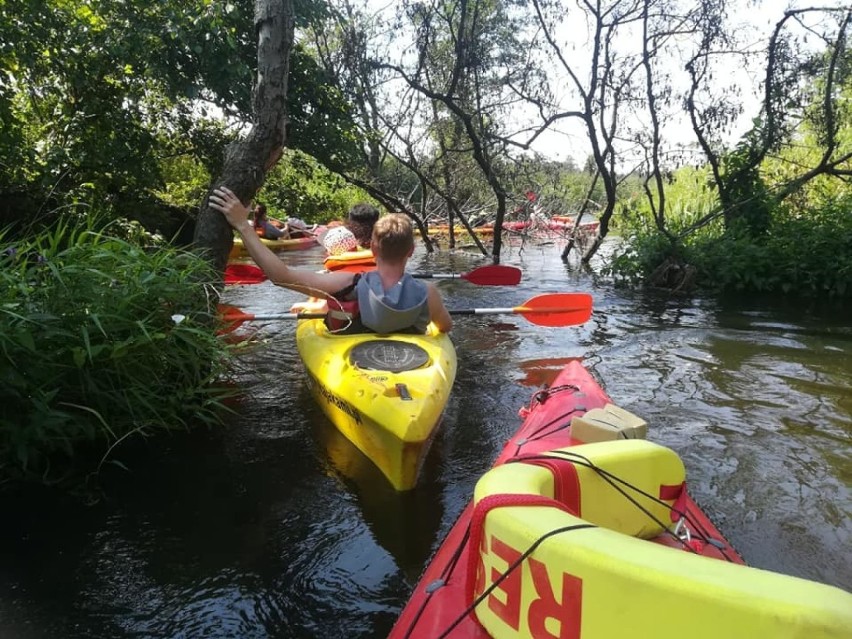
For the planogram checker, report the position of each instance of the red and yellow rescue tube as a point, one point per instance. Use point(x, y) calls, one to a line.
point(562, 552)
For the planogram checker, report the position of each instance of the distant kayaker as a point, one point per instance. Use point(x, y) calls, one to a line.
point(388, 299)
point(355, 234)
point(348, 245)
point(267, 228)
point(360, 221)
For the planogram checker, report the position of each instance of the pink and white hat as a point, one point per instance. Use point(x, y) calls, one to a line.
point(339, 240)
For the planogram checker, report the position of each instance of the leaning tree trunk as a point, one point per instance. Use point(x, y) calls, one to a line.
point(247, 161)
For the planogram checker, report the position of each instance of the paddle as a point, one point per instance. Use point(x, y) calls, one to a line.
point(551, 309)
point(489, 275)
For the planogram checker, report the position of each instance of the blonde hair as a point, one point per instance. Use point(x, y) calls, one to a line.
point(393, 237)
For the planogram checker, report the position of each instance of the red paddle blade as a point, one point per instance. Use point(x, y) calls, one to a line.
point(493, 275)
point(243, 274)
point(557, 309)
point(232, 317)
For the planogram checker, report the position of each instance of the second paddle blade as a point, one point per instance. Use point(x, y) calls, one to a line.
point(558, 309)
point(494, 275)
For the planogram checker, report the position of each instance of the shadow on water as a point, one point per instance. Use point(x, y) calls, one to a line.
point(403, 523)
point(276, 526)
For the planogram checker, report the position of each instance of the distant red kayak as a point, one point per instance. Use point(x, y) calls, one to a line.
point(557, 224)
point(567, 224)
point(600, 540)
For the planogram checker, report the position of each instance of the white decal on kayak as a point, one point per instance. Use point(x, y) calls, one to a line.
point(334, 400)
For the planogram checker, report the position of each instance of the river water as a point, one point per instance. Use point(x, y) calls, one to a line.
point(275, 526)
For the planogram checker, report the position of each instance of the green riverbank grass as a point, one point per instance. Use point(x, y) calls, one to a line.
point(91, 350)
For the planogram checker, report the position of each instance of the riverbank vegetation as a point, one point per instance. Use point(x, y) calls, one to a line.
point(101, 338)
point(805, 249)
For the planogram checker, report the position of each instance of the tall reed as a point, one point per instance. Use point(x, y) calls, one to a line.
point(90, 349)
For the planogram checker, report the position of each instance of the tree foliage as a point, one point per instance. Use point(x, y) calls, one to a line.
point(93, 84)
point(300, 186)
point(432, 108)
point(107, 104)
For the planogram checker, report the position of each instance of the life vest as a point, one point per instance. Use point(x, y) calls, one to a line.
point(351, 261)
point(364, 306)
point(342, 315)
point(404, 307)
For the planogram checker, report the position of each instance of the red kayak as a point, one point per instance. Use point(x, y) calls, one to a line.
point(598, 538)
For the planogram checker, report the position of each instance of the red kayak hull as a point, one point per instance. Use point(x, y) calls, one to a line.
point(438, 605)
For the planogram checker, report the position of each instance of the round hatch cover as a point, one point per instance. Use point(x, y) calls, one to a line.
point(388, 355)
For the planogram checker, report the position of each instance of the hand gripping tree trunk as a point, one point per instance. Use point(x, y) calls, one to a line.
point(247, 161)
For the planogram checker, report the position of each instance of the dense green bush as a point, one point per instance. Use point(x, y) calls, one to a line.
point(94, 348)
point(299, 186)
point(640, 252)
point(807, 253)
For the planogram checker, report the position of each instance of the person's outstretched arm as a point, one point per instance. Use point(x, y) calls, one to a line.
point(437, 311)
point(310, 282)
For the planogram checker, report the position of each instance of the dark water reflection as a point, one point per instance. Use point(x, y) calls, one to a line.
point(275, 526)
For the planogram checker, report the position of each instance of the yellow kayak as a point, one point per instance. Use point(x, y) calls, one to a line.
point(276, 245)
point(385, 393)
